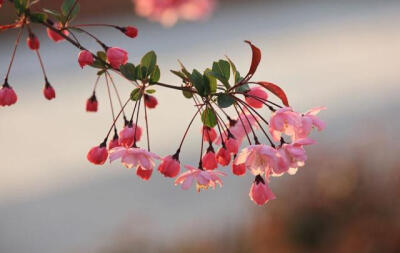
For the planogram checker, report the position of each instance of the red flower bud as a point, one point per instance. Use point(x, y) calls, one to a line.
point(114, 142)
point(91, 104)
point(223, 156)
point(150, 101)
point(169, 166)
point(130, 31)
point(127, 135)
point(116, 57)
point(209, 134)
point(54, 36)
point(255, 97)
point(143, 174)
point(7, 95)
point(238, 169)
point(85, 58)
point(209, 161)
point(33, 42)
point(98, 154)
point(49, 92)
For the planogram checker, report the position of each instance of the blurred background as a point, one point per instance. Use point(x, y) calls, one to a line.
point(341, 54)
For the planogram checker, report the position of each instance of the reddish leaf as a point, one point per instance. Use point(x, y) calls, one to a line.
point(255, 60)
point(275, 89)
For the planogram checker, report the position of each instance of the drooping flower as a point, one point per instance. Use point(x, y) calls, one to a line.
point(130, 31)
point(209, 161)
point(85, 58)
point(260, 192)
point(116, 57)
point(209, 134)
point(296, 153)
point(285, 121)
point(48, 91)
point(127, 135)
point(98, 154)
point(150, 101)
point(203, 178)
point(223, 156)
point(54, 36)
point(92, 104)
point(169, 166)
point(7, 95)
point(143, 173)
point(308, 121)
point(238, 169)
point(240, 127)
point(33, 42)
point(259, 158)
point(133, 157)
point(232, 145)
point(255, 96)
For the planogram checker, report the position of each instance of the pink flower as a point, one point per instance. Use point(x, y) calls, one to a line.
point(238, 169)
point(259, 159)
point(134, 157)
point(114, 142)
point(240, 127)
point(127, 135)
point(203, 178)
point(7, 95)
point(232, 145)
point(92, 104)
point(259, 191)
point(169, 166)
point(168, 12)
point(308, 121)
point(209, 134)
point(284, 120)
point(85, 58)
point(49, 92)
point(130, 31)
point(296, 153)
point(98, 154)
point(209, 161)
point(255, 96)
point(150, 101)
point(223, 156)
point(54, 36)
point(116, 57)
point(143, 173)
point(33, 42)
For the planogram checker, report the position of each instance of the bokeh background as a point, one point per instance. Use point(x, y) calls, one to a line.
point(341, 54)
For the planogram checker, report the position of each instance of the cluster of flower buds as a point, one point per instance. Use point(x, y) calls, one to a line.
point(241, 127)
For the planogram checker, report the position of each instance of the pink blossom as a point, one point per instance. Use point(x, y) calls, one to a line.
point(296, 153)
point(203, 178)
point(255, 96)
point(85, 58)
point(284, 120)
point(168, 12)
point(223, 156)
point(240, 127)
point(169, 166)
point(308, 121)
point(259, 159)
point(232, 145)
point(98, 154)
point(209, 134)
point(49, 92)
point(260, 192)
point(209, 161)
point(133, 157)
point(127, 135)
point(7, 95)
point(54, 36)
point(114, 142)
point(116, 57)
point(143, 173)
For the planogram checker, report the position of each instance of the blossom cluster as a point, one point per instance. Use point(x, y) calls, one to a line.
point(242, 126)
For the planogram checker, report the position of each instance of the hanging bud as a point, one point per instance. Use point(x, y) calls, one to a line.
point(48, 91)
point(232, 145)
point(255, 96)
point(54, 36)
point(85, 58)
point(209, 134)
point(91, 104)
point(143, 173)
point(114, 142)
point(169, 166)
point(209, 161)
point(116, 57)
point(98, 154)
point(259, 191)
point(223, 156)
point(7, 95)
point(33, 42)
point(150, 101)
point(238, 169)
point(129, 31)
point(127, 135)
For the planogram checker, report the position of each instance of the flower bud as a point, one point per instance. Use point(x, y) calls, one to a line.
point(91, 104)
point(85, 58)
point(7, 95)
point(209, 134)
point(114, 142)
point(127, 135)
point(33, 42)
point(143, 173)
point(150, 101)
point(259, 95)
point(232, 145)
point(259, 191)
point(209, 161)
point(223, 156)
point(116, 57)
point(130, 31)
point(238, 169)
point(48, 91)
point(54, 36)
point(98, 154)
point(169, 166)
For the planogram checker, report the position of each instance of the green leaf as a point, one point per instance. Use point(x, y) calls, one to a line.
point(243, 88)
point(38, 17)
point(136, 94)
point(128, 71)
point(225, 100)
point(148, 63)
point(208, 118)
point(98, 64)
point(69, 7)
point(102, 55)
point(221, 70)
point(155, 76)
point(99, 73)
point(150, 91)
point(179, 74)
point(235, 73)
point(184, 70)
point(138, 72)
point(212, 80)
point(20, 6)
point(52, 12)
point(196, 78)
